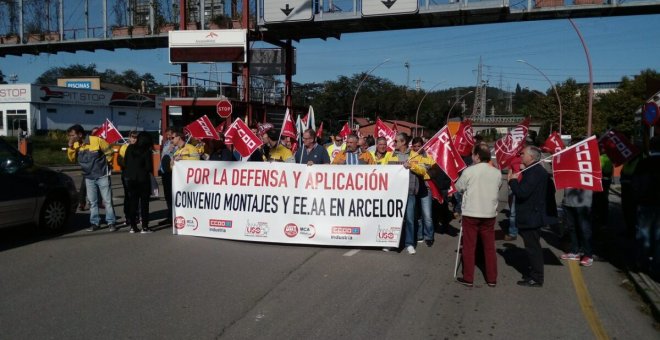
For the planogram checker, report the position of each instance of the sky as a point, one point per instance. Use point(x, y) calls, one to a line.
point(438, 58)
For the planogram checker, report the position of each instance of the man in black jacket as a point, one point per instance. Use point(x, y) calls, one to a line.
point(531, 211)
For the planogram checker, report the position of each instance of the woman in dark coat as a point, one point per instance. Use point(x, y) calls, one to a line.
point(138, 169)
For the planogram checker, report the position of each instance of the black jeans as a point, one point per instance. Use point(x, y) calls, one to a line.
point(532, 239)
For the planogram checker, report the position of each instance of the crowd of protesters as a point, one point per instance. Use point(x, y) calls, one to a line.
point(475, 201)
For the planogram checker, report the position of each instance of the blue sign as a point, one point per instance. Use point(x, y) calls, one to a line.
point(79, 84)
point(650, 114)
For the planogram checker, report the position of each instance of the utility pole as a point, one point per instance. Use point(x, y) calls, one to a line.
point(407, 66)
point(479, 107)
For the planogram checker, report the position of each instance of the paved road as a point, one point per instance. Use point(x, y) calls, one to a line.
point(121, 285)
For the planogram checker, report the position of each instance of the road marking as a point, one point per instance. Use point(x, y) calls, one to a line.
point(351, 252)
point(584, 298)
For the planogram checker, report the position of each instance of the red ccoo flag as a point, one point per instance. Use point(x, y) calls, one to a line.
point(243, 139)
point(442, 150)
point(382, 130)
point(553, 144)
point(288, 127)
point(108, 132)
point(220, 129)
point(202, 128)
point(617, 147)
point(464, 140)
point(345, 131)
point(319, 132)
point(510, 145)
point(578, 166)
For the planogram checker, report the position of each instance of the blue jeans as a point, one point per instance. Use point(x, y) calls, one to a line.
point(513, 230)
point(409, 220)
point(103, 185)
point(648, 237)
point(578, 224)
point(425, 228)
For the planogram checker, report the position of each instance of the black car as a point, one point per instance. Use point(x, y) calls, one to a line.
point(33, 194)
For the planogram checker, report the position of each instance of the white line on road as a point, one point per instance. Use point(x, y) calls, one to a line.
point(351, 252)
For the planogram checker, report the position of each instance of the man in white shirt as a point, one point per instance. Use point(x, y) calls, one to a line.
point(480, 185)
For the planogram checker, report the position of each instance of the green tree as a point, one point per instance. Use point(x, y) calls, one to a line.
point(619, 108)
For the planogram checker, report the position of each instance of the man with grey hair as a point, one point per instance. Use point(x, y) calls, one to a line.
point(531, 211)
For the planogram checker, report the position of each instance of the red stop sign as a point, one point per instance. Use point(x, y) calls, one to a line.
point(223, 108)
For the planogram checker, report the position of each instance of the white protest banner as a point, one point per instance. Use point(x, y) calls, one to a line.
point(338, 205)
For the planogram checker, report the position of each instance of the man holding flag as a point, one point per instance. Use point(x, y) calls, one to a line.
point(94, 156)
point(530, 204)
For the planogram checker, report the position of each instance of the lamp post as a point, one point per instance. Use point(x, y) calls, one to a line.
point(455, 102)
point(591, 76)
point(420, 103)
point(553, 88)
point(360, 85)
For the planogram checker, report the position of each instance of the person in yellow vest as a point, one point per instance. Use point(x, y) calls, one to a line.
point(425, 228)
point(410, 160)
point(352, 155)
point(336, 147)
point(185, 151)
point(94, 156)
point(274, 151)
point(381, 155)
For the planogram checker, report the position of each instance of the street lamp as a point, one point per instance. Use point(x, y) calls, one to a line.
point(360, 85)
point(420, 103)
point(455, 102)
point(553, 88)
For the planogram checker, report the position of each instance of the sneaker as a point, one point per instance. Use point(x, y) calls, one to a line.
point(411, 250)
point(570, 256)
point(429, 243)
point(112, 228)
point(421, 240)
point(463, 282)
point(93, 227)
point(491, 284)
point(586, 261)
point(146, 231)
point(133, 231)
point(386, 249)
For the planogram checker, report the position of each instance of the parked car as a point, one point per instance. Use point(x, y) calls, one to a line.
point(33, 194)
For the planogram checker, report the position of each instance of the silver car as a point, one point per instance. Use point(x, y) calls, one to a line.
point(31, 194)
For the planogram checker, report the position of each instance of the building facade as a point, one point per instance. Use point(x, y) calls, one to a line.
point(34, 109)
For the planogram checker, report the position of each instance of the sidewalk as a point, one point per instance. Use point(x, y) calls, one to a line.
point(644, 284)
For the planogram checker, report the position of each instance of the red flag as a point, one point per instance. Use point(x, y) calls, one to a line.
point(464, 140)
point(442, 150)
point(553, 144)
point(288, 127)
point(510, 145)
point(319, 133)
point(382, 130)
point(452, 189)
point(220, 128)
point(617, 147)
point(345, 131)
point(108, 132)
point(243, 139)
point(435, 192)
point(578, 166)
point(202, 128)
